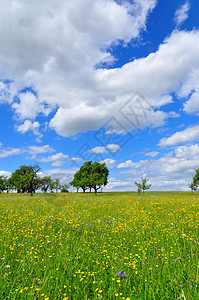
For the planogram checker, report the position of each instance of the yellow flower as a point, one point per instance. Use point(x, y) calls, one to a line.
point(116, 295)
point(100, 291)
point(26, 288)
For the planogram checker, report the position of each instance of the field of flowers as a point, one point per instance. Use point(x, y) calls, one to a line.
point(109, 246)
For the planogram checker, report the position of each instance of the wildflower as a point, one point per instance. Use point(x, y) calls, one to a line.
point(121, 275)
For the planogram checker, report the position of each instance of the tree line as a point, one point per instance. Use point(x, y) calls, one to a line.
point(91, 176)
point(26, 180)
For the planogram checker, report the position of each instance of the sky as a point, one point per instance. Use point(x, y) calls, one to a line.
point(101, 80)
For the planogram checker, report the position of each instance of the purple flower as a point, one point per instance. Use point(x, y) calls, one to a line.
point(121, 275)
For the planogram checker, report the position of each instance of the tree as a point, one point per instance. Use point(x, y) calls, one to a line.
point(64, 188)
point(2, 183)
point(8, 184)
point(45, 183)
point(196, 177)
point(82, 177)
point(57, 185)
point(142, 186)
point(25, 179)
point(91, 176)
point(193, 186)
point(99, 176)
point(195, 183)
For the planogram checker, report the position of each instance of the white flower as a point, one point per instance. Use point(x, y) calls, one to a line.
point(183, 235)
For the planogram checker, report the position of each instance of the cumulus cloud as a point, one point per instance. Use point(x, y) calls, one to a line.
point(56, 160)
point(29, 106)
point(181, 13)
point(29, 126)
point(187, 135)
point(113, 148)
point(126, 164)
point(56, 49)
point(110, 163)
point(173, 171)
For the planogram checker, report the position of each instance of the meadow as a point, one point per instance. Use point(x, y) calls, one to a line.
point(108, 246)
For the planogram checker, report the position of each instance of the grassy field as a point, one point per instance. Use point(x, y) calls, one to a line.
point(109, 246)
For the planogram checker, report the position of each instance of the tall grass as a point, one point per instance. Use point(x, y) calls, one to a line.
point(109, 246)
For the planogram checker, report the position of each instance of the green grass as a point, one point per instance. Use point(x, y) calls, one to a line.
point(73, 246)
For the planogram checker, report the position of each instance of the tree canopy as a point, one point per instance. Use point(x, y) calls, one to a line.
point(25, 179)
point(91, 176)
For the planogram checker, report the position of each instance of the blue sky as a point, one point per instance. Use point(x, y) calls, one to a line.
point(112, 81)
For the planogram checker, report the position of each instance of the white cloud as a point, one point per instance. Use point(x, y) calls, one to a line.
point(113, 148)
point(187, 135)
point(152, 154)
point(64, 175)
point(56, 160)
point(5, 173)
point(55, 49)
point(110, 163)
point(181, 13)
point(29, 126)
point(33, 150)
point(29, 107)
point(98, 150)
point(10, 152)
point(192, 105)
point(171, 172)
point(126, 164)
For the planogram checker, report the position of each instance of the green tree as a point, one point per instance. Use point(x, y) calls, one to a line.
point(45, 183)
point(57, 185)
point(99, 176)
point(25, 179)
point(64, 188)
point(193, 186)
point(142, 186)
point(2, 183)
point(196, 177)
point(91, 176)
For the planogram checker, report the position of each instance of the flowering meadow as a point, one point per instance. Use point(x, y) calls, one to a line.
point(108, 246)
